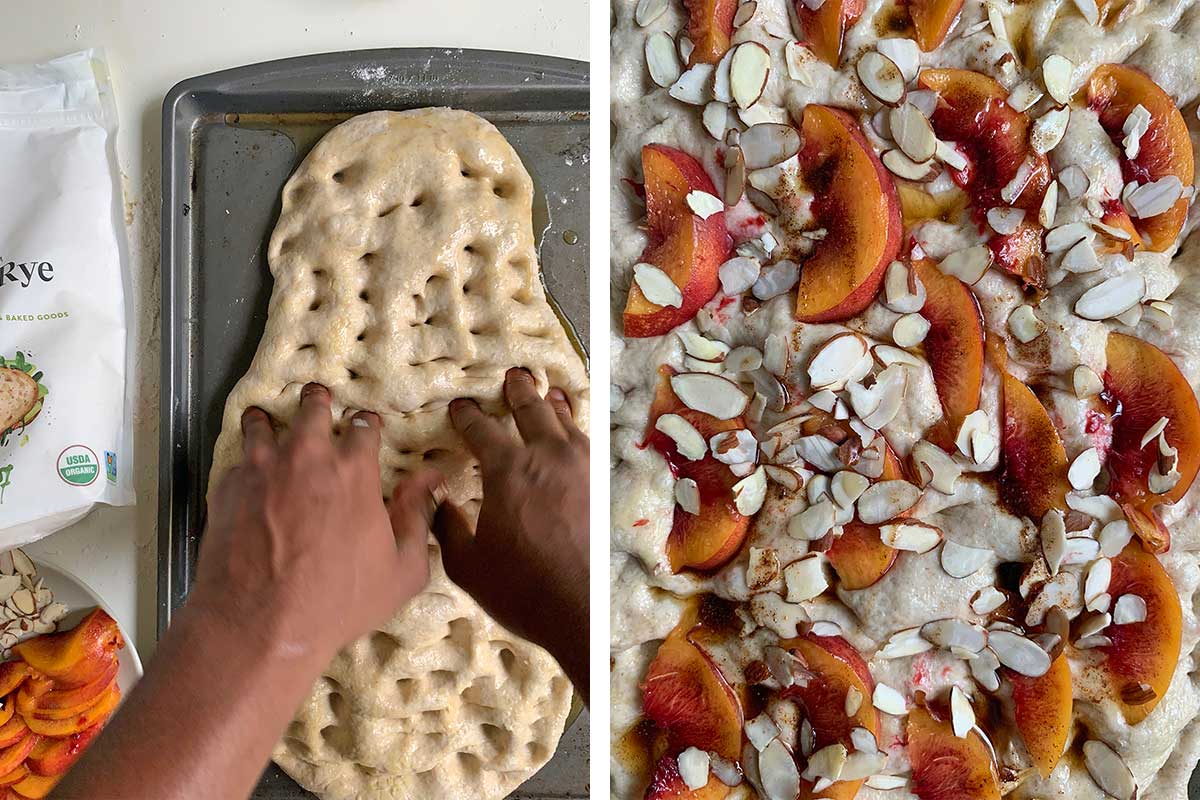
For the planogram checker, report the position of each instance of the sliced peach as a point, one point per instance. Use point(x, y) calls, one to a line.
point(1021, 254)
point(933, 19)
point(55, 756)
point(8, 707)
point(14, 755)
point(1113, 91)
point(859, 556)
point(31, 692)
point(12, 675)
point(837, 667)
point(78, 656)
point(35, 787)
point(95, 714)
point(1142, 385)
point(689, 249)
point(945, 767)
point(1142, 652)
point(667, 784)
point(686, 695)
point(1042, 707)
point(825, 28)
point(855, 202)
point(20, 771)
point(1034, 475)
point(953, 347)
point(63, 703)
point(707, 540)
point(973, 111)
point(1115, 216)
point(710, 25)
point(12, 731)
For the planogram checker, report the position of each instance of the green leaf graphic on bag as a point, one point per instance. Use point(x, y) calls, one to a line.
point(22, 394)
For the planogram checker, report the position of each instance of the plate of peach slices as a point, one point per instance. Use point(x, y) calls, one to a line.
point(58, 690)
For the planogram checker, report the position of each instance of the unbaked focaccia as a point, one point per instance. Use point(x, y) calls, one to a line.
point(904, 422)
point(406, 276)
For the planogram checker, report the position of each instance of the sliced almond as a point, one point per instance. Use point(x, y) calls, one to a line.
point(962, 715)
point(1085, 382)
point(694, 85)
point(969, 264)
point(805, 579)
point(826, 763)
point(788, 478)
point(910, 330)
point(1005, 220)
point(688, 441)
point(649, 10)
point(904, 53)
point(1013, 190)
point(902, 166)
point(888, 700)
point(903, 291)
point(750, 492)
point(1154, 198)
point(846, 487)
point(745, 13)
point(761, 731)
point(813, 522)
point(22, 600)
point(701, 347)
point(912, 133)
point(1024, 95)
point(687, 495)
point(902, 644)
point(657, 285)
point(1075, 181)
point(960, 561)
point(881, 77)
point(735, 176)
point(716, 119)
point(987, 600)
point(1049, 207)
point(778, 772)
point(711, 394)
point(1096, 580)
point(975, 439)
point(949, 154)
point(914, 537)
point(1129, 608)
point(1080, 550)
point(1108, 770)
point(799, 60)
point(662, 60)
point(721, 88)
point(1111, 297)
point(1056, 75)
point(738, 274)
point(1048, 130)
point(743, 359)
point(768, 144)
point(935, 467)
point(838, 360)
point(703, 204)
point(955, 633)
point(1114, 536)
point(1135, 126)
point(779, 278)
point(1090, 10)
point(1019, 654)
point(1024, 324)
point(887, 500)
point(1084, 469)
point(748, 72)
point(1081, 258)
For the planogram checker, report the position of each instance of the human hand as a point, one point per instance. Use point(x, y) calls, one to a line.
point(527, 562)
point(300, 545)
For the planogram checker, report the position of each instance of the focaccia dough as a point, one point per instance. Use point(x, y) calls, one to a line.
point(406, 276)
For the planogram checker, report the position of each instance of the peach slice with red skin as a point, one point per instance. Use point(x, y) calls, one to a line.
point(973, 111)
point(15, 754)
point(35, 787)
point(945, 767)
point(1042, 707)
point(859, 556)
point(1148, 651)
point(933, 19)
point(75, 657)
point(686, 695)
point(1033, 478)
point(855, 202)
point(12, 675)
point(95, 714)
point(1113, 91)
point(19, 772)
point(12, 731)
point(689, 249)
point(837, 668)
point(1142, 385)
point(709, 539)
point(667, 784)
point(1021, 255)
point(710, 26)
point(55, 756)
point(62, 703)
point(1115, 216)
point(825, 28)
point(954, 347)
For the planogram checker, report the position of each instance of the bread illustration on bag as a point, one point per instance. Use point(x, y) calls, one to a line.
point(22, 394)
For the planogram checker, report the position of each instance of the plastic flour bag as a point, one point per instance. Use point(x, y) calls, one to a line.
point(65, 430)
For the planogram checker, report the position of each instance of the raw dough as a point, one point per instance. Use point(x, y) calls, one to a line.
point(405, 276)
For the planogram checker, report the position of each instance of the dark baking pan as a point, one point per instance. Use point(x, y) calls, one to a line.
point(230, 141)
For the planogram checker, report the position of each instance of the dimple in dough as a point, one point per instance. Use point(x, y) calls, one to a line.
point(406, 276)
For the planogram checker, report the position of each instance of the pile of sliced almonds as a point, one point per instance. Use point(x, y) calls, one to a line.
point(28, 605)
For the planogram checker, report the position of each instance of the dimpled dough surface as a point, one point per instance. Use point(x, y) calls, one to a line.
point(405, 276)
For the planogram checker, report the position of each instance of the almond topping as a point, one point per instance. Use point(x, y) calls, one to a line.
point(657, 285)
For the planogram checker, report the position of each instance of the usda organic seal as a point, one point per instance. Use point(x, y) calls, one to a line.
point(78, 465)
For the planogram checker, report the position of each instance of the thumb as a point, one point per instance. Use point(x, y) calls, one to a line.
point(411, 512)
point(454, 534)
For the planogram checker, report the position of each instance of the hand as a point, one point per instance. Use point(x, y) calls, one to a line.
point(527, 562)
point(299, 542)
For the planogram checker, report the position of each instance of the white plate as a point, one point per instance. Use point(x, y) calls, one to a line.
point(79, 598)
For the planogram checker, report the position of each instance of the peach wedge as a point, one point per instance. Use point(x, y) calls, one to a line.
point(825, 27)
point(667, 784)
point(1034, 475)
point(689, 249)
point(856, 203)
point(945, 767)
point(933, 19)
point(710, 26)
point(1042, 708)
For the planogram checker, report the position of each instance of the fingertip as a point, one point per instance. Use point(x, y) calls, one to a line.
point(518, 374)
point(366, 419)
point(314, 390)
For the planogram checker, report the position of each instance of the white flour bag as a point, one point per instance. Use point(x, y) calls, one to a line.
point(65, 430)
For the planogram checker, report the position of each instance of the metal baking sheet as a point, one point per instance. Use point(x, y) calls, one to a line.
point(230, 141)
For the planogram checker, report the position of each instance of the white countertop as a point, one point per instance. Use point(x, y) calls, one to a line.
point(150, 47)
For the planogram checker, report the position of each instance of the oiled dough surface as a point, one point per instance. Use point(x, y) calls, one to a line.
point(406, 276)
